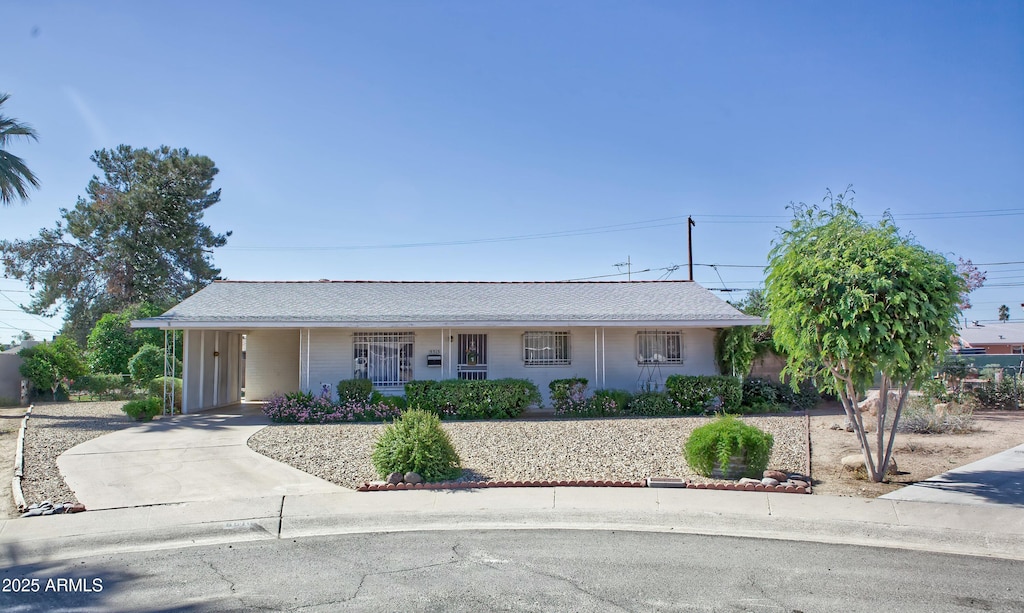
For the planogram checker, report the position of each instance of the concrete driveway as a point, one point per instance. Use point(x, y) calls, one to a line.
point(995, 480)
point(187, 458)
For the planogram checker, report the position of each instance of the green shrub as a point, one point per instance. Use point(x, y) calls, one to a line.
point(156, 388)
point(713, 445)
point(100, 385)
point(1007, 394)
point(148, 364)
point(354, 390)
point(568, 395)
point(488, 399)
point(416, 442)
point(698, 394)
point(766, 396)
point(653, 404)
point(144, 410)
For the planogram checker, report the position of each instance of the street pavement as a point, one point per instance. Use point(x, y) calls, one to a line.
point(192, 481)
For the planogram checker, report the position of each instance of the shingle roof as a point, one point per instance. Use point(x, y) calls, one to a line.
point(417, 303)
point(1003, 333)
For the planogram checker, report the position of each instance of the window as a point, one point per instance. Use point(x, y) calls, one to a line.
point(383, 357)
point(1017, 350)
point(546, 349)
point(659, 347)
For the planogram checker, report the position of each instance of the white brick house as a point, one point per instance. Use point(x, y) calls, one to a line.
point(302, 335)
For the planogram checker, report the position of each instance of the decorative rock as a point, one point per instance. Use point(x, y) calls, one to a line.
point(778, 475)
point(769, 481)
point(395, 478)
point(749, 481)
point(853, 462)
point(411, 477)
point(798, 483)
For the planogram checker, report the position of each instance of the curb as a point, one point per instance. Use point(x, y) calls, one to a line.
point(465, 485)
point(19, 463)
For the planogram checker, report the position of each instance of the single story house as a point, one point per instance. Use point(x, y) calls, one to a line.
point(1003, 338)
point(306, 335)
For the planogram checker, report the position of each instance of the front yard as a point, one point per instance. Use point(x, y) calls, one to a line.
point(621, 449)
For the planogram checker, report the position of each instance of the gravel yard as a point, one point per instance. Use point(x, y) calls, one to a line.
point(610, 449)
point(53, 429)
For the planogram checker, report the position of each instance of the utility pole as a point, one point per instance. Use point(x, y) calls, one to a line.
point(689, 243)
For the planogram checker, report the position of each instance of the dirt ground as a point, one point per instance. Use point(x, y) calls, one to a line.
point(918, 456)
point(10, 422)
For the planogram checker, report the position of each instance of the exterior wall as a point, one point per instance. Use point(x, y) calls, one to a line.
point(271, 363)
point(211, 377)
point(10, 378)
point(1000, 349)
point(324, 357)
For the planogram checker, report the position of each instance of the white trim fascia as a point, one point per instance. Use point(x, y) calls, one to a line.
point(171, 324)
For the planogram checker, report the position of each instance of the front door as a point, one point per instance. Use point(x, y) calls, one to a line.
point(472, 352)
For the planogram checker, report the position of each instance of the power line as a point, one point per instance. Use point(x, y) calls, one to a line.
point(41, 320)
point(647, 224)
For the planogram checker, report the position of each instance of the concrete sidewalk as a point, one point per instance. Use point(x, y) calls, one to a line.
point(996, 480)
point(947, 528)
point(181, 459)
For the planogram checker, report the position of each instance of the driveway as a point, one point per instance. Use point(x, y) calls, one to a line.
point(187, 458)
point(995, 480)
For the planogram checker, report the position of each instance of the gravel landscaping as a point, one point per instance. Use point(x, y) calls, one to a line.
point(53, 429)
point(623, 449)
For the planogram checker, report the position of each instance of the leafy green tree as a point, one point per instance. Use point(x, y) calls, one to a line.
point(148, 364)
point(848, 299)
point(15, 176)
point(1004, 313)
point(113, 342)
point(53, 365)
point(138, 237)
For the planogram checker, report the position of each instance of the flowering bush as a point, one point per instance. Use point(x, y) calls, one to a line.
point(305, 408)
point(568, 396)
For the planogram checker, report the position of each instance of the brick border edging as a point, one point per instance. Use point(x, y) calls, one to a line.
point(19, 463)
point(465, 485)
point(450, 485)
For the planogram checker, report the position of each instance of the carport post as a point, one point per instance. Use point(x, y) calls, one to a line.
point(169, 360)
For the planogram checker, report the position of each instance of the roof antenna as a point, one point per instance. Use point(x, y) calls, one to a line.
point(629, 268)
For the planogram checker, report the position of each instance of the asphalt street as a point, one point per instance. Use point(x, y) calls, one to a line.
point(507, 570)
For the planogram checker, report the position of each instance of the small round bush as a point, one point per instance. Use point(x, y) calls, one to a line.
point(713, 445)
point(143, 410)
point(416, 442)
point(148, 364)
point(653, 404)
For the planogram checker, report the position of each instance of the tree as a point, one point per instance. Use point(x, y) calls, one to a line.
point(53, 365)
point(973, 279)
point(15, 176)
point(139, 237)
point(148, 364)
point(112, 342)
point(1004, 313)
point(848, 300)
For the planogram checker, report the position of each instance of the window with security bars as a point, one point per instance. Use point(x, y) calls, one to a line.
point(659, 347)
point(383, 357)
point(546, 349)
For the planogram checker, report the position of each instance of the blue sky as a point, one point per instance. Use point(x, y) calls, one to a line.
point(396, 140)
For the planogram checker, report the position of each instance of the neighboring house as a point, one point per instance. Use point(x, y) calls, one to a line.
point(1003, 338)
point(304, 335)
point(10, 376)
